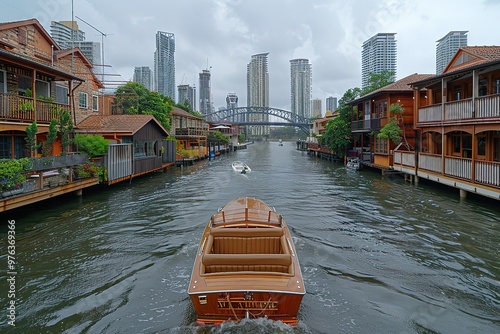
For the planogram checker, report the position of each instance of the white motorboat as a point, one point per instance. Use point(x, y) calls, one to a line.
point(241, 167)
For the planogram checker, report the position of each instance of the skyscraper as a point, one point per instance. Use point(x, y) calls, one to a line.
point(447, 47)
point(205, 93)
point(165, 64)
point(144, 76)
point(231, 103)
point(300, 80)
point(187, 93)
point(378, 54)
point(258, 91)
point(316, 108)
point(67, 35)
point(331, 103)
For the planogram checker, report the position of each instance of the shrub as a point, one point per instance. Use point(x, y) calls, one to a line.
point(92, 145)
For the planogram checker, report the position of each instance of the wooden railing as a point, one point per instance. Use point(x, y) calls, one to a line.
point(483, 107)
point(458, 167)
point(431, 162)
point(404, 158)
point(487, 172)
point(488, 106)
point(27, 109)
point(430, 113)
point(462, 109)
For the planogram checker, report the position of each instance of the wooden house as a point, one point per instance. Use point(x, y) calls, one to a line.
point(457, 123)
point(38, 80)
point(190, 131)
point(372, 113)
point(137, 141)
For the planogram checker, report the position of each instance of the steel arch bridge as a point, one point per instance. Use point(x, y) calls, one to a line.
point(242, 115)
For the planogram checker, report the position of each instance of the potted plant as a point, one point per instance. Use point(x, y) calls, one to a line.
point(13, 175)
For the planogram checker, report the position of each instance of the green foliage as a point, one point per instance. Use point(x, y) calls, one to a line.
point(391, 131)
point(51, 138)
point(216, 135)
point(170, 138)
point(28, 92)
point(338, 134)
point(241, 138)
point(12, 172)
point(396, 109)
point(30, 139)
point(91, 169)
point(135, 99)
point(376, 81)
point(92, 145)
point(65, 129)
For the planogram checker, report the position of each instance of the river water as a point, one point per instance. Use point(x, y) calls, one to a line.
point(378, 255)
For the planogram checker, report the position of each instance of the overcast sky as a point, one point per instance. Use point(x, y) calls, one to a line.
point(224, 34)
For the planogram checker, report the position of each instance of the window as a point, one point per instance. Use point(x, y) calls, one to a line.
point(482, 87)
point(3, 83)
point(42, 88)
point(381, 145)
point(62, 95)
point(496, 148)
point(462, 145)
point(143, 149)
point(23, 83)
point(83, 100)
point(481, 146)
point(95, 102)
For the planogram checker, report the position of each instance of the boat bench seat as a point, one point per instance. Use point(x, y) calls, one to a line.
point(217, 263)
point(246, 241)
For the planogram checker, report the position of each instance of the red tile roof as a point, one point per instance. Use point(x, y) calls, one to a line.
point(482, 54)
point(115, 123)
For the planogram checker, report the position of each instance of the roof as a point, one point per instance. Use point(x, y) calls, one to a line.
point(24, 23)
point(401, 85)
point(181, 112)
point(116, 123)
point(478, 57)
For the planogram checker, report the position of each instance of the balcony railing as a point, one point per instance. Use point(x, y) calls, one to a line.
point(404, 158)
point(458, 167)
point(27, 109)
point(482, 107)
point(487, 172)
point(431, 162)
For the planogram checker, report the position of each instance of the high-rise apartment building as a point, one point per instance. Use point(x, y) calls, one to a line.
point(165, 64)
point(331, 103)
point(258, 91)
point(187, 93)
point(300, 80)
point(447, 47)
point(232, 103)
point(144, 76)
point(67, 35)
point(316, 108)
point(205, 93)
point(378, 54)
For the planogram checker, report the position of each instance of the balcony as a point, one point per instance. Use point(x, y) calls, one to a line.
point(477, 110)
point(18, 108)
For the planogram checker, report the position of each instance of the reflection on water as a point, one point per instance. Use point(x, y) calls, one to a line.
point(378, 255)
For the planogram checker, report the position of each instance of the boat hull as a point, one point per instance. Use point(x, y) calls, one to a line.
point(246, 266)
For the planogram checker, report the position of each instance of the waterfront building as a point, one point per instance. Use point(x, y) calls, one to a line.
point(316, 108)
point(68, 36)
point(187, 94)
point(190, 131)
point(205, 93)
point(447, 47)
point(331, 103)
point(373, 112)
point(378, 54)
point(164, 64)
point(300, 82)
point(457, 122)
point(144, 76)
point(258, 92)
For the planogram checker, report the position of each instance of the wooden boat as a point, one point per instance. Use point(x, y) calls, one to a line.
point(246, 266)
point(241, 167)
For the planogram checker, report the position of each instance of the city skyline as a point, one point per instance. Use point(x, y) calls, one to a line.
point(224, 33)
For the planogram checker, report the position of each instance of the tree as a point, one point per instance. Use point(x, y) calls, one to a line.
point(338, 134)
point(51, 138)
point(376, 81)
point(92, 145)
point(65, 129)
point(392, 130)
point(133, 98)
point(30, 139)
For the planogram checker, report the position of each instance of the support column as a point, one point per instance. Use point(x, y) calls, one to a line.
point(463, 193)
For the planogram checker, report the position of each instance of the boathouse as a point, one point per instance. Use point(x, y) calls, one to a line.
point(457, 124)
point(138, 146)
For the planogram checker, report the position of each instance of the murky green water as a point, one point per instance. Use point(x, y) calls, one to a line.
point(377, 255)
